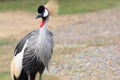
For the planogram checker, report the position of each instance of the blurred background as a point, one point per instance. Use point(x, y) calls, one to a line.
point(86, 36)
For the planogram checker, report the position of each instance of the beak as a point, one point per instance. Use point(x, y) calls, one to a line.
point(38, 16)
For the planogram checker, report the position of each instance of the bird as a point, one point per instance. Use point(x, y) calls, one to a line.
point(33, 53)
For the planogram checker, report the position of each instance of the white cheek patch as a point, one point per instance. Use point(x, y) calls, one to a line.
point(45, 13)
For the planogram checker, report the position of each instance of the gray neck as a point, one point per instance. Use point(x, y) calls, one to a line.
point(42, 30)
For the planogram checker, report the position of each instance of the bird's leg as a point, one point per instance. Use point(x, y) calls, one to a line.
point(40, 77)
point(28, 77)
point(32, 76)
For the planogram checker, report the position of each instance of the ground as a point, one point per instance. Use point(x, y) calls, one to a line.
point(87, 46)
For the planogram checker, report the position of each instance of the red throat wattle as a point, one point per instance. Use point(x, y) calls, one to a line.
point(42, 23)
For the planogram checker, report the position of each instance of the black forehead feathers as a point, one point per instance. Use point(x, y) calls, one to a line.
point(41, 9)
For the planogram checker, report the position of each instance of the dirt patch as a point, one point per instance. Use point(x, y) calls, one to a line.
point(72, 28)
point(18, 23)
point(93, 26)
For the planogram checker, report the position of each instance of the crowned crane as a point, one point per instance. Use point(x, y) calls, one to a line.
point(33, 52)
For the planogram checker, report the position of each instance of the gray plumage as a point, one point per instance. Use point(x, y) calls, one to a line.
point(39, 49)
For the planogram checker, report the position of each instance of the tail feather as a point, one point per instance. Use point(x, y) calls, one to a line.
point(14, 70)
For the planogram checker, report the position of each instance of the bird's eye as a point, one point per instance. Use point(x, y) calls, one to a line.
point(45, 13)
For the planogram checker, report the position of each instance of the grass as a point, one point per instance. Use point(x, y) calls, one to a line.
point(50, 77)
point(5, 76)
point(66, 7)
point(6, 41)
point(84, 6)
point(3, 42)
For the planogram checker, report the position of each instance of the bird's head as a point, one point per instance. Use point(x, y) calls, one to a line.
point(50, 9)
point(42, 12)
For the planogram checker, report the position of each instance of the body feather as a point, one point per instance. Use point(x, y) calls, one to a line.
point(38, 50)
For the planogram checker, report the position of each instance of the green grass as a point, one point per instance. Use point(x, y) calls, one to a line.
point(84, 6)
point(23, 5)
point(66, 6)
point(5, 76)
point(4, 42)
point(7, 41)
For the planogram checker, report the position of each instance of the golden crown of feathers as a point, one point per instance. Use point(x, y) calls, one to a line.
point(53, 7)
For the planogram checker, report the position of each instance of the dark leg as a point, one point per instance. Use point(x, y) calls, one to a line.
point(32, 76)
point(15, 78)
point(23, 76)
point(28, 77)
point(41, 70)
point(40, 77)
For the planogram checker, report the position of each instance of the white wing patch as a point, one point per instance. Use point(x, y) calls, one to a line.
point(18, 60)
